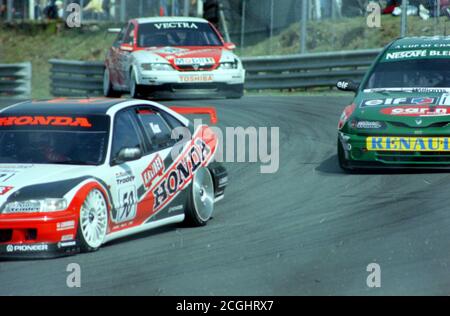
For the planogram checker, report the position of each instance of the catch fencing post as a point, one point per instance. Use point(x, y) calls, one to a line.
point(303, 26)
point(141, 8)
point(186, 8)
point(271, 28)
point(31, 5)
point(9, 13)
point(244, 8)
point(123, 11)
point(404, 20)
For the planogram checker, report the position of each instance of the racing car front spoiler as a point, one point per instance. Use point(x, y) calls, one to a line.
point(192, 90)
point(38, 250)
point(357, 156)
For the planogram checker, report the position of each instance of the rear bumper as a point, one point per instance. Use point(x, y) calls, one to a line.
point(358, 156)
point(38, 236)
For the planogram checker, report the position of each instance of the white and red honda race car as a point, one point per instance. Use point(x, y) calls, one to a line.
point(172, 57)
point(75, 174)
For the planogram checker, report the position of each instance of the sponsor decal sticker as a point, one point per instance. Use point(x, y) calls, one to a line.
point(415, 54)
point(65, 225)
point(393, 143)
point(417, 111)
point(197, 61)
point(175, 208)
point(67, 238)
point(196, 78)
point(45, 121)
point(4, 190)
point(399, 101)
point(175, 25)
point(445, 99)
point(125, 180)
point(26, 248)
point(180, 174)
point(67, 244)
point(154, 169)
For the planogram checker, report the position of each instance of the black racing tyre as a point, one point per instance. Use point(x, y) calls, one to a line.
point(200, 204)
point(235, 93)
point(135, 89)
point(108, 90)
point(235, 96)
point(343, 162)
point(93, 222)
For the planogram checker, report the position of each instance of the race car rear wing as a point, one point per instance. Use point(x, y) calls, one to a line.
point(197, 110)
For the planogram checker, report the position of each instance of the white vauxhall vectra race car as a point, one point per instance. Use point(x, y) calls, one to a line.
point(172, 57)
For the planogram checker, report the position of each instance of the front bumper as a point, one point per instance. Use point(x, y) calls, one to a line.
point(38, 236)
point(39, 251)
point(181, 84)
point(358, 156)
point(158, 78)
point(187, 91)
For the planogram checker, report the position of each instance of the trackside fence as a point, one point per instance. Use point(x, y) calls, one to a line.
point(307, 70)
point(15, 81)
point(76, 78)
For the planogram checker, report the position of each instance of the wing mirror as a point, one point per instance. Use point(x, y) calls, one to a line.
point(230, 46)
point(347, 85)
point(128, 154)
point(126, 47)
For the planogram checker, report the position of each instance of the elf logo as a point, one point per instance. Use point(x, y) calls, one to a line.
point(399, 101)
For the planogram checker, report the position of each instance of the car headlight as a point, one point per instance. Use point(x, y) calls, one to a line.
point(229, 65)
point(35, 206)
point(156, 66)
point(367, 124)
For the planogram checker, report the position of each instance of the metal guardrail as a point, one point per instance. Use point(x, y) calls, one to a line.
point(15, 80)
point(77, 78)
point(307, 70)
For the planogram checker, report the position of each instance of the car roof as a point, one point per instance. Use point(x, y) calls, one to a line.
point(420, 40)
point(63, 106)
point(80, 106)
point(170, 19)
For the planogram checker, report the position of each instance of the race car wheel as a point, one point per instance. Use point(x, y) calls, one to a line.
point(108, 90)
point(234, 96)
point(235, 93)
point(201, 199)
point(343, 162)
point(93, 221)
point(135, 89)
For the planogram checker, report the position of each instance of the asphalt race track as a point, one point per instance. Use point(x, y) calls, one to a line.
point(307, 229)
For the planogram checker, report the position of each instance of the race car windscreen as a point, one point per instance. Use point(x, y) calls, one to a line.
point(45, 139)
point(417, 73)
point(177, 34)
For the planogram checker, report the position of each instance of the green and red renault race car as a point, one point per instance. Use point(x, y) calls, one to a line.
point(400, 116)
